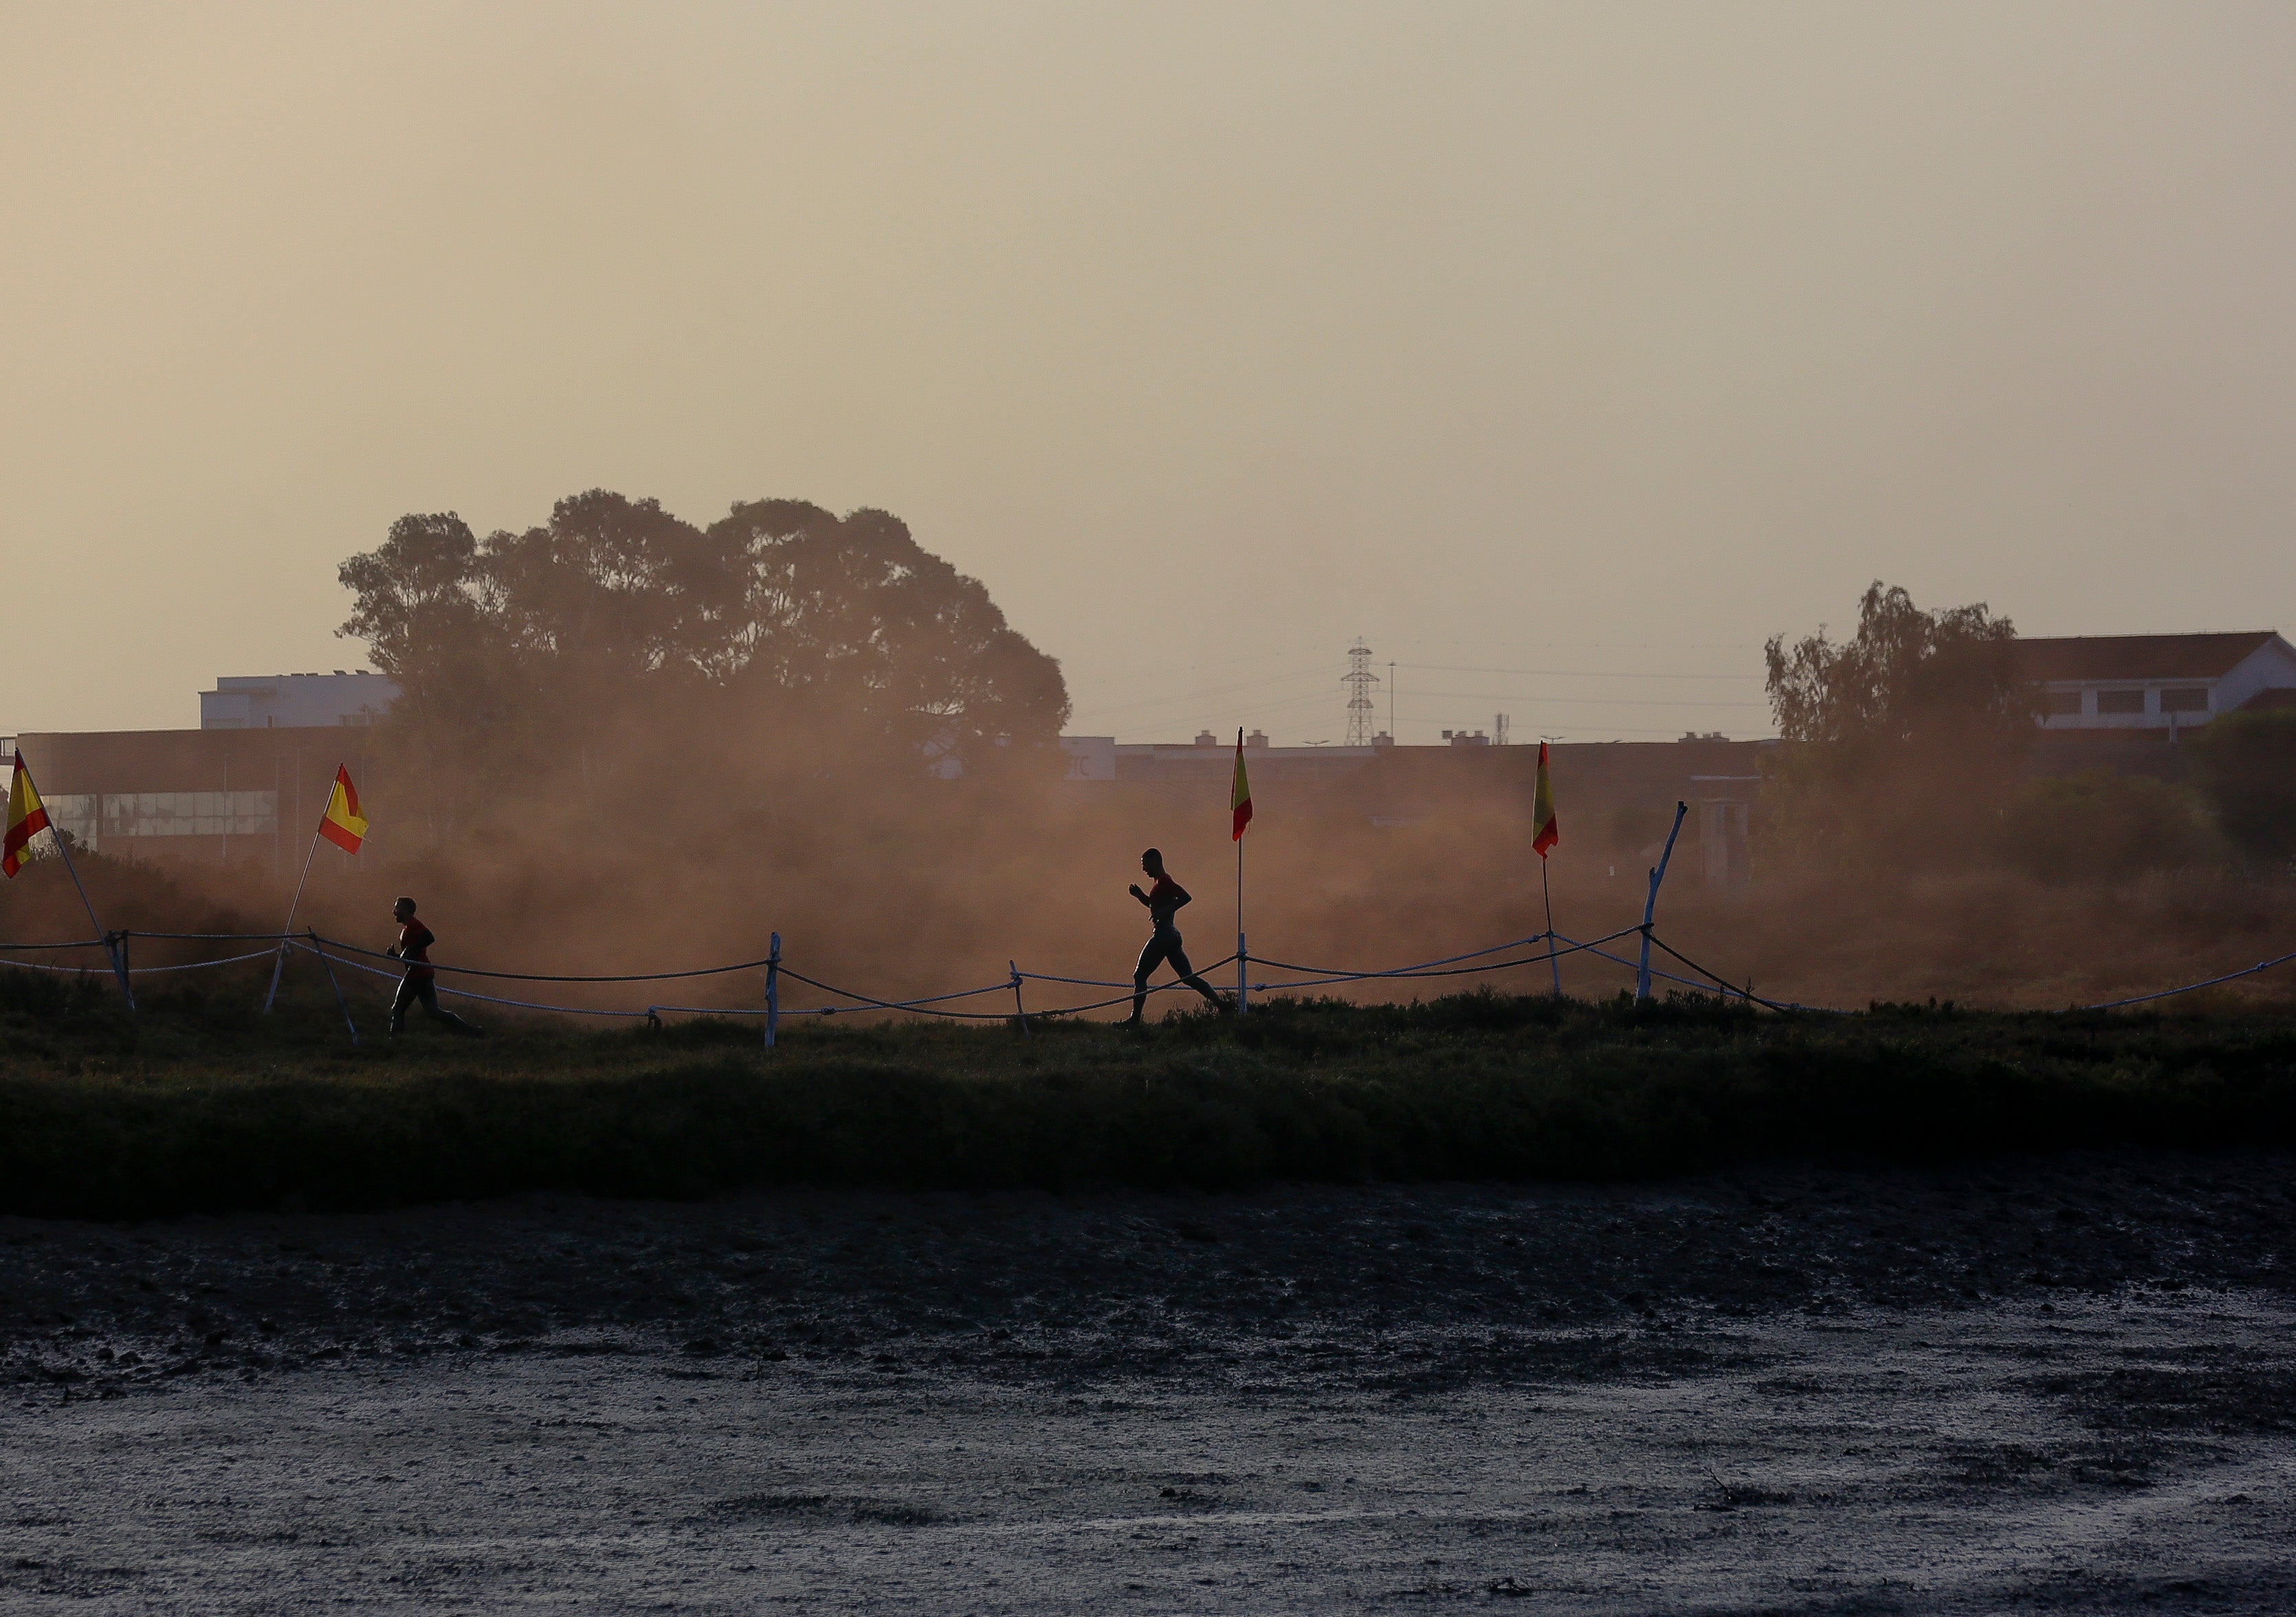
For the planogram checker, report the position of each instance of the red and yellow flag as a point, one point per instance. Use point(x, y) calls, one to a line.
point(27, 819)
point(1545, 833)
point(342, 824)
point(1239, 799)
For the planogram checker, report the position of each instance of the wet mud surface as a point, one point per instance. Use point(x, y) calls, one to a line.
point(2064, 1385)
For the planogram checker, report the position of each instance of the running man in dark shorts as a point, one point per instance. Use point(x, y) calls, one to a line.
point(421, 982)
point(1163, 899)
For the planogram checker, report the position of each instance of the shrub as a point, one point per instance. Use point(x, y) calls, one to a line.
point(186, 1112)
point(2099, 824)
point(2245, 764)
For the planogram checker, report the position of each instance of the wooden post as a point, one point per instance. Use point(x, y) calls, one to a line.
point(1650, 905)
point(773, 990)
point(1020, 1010)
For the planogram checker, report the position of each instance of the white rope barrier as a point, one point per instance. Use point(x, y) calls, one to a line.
point(1441, 968)
point(144, 970)
point(523, 1005)
point(2209, 982)
point(196, 965)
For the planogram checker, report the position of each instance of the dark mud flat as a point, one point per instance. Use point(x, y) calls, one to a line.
point(2065, 1384)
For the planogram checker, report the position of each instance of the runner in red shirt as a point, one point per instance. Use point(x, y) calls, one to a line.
point(1163, 899)
point(421, 982)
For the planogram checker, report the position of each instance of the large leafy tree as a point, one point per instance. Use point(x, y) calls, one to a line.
point(854, 613)
point(617, 612)
point(1912, 729)
point(423, 616)
point(610, 591)
point(1906, 675)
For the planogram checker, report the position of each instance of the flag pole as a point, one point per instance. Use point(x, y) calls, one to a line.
point(1243, 986)
point(1236, 828)
point(110, 946)
point(1547, 893)
point(280, 964)
point(1546, 831)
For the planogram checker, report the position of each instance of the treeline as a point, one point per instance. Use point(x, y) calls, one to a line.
point(1926, 764)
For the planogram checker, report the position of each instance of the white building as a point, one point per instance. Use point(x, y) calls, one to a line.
point(2155, 682)
point(282, 701)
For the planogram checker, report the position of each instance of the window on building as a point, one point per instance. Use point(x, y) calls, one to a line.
point(2184, 699)
point(2062, 704)
point(140, 814)
point(2121, 701)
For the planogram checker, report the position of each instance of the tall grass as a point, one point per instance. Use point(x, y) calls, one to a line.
point(198, 1105)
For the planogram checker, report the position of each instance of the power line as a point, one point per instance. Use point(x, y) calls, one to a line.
point(1204, 693)
point(1454, 668)
point(1600, 702)
point(1627, 645)
point(1183, 698)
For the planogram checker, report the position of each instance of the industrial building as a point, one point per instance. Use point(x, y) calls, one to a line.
point(247, 784)
point(290, 701)
point(215, 797)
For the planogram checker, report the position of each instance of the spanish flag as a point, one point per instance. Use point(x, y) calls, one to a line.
point(1239, 799)
point(342, 824)
point(27, 819)
point(1544, 830)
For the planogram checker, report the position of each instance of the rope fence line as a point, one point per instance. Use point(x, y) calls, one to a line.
point(910, 1005)
point(2207, 982)
point(524, 1004)
point(144, 970)
point(1112, 982)
point(1603, 954)
point(654, 1012)
point(196, 965)
point(1746, 993)
point(313, 943)
point(1336, 971)
point(1438, 968)
point(472, 970)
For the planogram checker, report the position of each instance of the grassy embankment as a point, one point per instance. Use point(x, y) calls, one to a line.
point(200, 1104)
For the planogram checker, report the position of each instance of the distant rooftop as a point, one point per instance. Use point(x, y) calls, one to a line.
point(259, 701)
point(2138, 656)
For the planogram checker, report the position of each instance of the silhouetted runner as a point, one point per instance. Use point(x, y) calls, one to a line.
point(1163, 899)
point(421, 983)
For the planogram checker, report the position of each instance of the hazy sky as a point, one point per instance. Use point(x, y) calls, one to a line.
point(1549, 348)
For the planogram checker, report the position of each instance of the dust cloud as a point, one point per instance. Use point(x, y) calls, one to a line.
point(664, 846)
